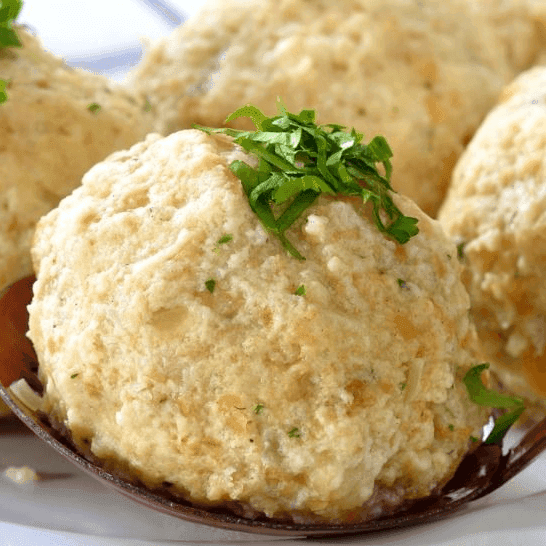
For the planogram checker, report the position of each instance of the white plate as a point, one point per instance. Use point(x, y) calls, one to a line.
point(73, 509)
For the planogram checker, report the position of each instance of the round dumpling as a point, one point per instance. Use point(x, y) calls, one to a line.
point(496, 210)
point(180, 343)
point(56, 124)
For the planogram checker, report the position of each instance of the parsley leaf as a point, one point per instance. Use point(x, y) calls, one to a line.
point(94, 107)
point(460, 251)
point(300, 291)
point(299, 160)
point(225, 239)
point(3, 94)
point(294, 433)
point(482, 396)
point(402, 284)
point(210, 285)
point(9, 10)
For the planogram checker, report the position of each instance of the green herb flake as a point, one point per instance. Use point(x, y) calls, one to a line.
point(74, 375)
point(210, 284)
point(460, 251)
point(94, 107)
point(300, 291)
point(225, 239)
point(3, 94)
point(403, 386)
point(258, 408)
point(402, 284)
point(147, 105)
point(299, 160)
point(9, 11)
point(482, 396)
point(474, 439)
point(451, 427)
point(294, 433)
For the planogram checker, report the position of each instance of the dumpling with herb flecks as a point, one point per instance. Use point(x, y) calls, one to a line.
point(180, 343)
point(496, 211)
point(56, 123)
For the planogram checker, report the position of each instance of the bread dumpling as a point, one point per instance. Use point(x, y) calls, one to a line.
point(177, 345)
point(56, 124)
point(496, 211)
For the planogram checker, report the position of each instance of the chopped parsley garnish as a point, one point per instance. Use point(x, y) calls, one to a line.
point(94, 107)
point(402, 284)
point(9, 10)
point(258, 408)
point(3, 94)
point(225, 239)
point(210, 284)
point(483, 396)
point(451, 427)
point(300, 291)
point(74, 375)
point(403, 386)
point(294, 433)
point(299, 160)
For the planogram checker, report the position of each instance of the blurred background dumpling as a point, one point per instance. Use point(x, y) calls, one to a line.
point(56, 123)
point(496, 211)
point(424, 73)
